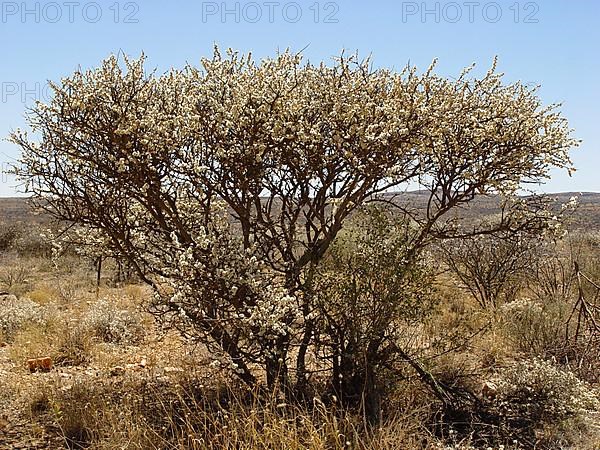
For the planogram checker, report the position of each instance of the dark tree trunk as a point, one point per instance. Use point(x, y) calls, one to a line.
point(371, 397)
point(276, 368)
point(98, 276)
point(355, 381)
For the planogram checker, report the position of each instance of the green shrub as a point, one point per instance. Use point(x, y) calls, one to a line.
point(371, 292)
point(536, 328)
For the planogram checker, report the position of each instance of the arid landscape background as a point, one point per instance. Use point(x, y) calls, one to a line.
point(16, 210)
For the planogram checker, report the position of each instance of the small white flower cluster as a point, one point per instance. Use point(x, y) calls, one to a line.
point(85, 241)
point(445, 446)
point(556, 228)
point(223, 361)
point(522, 306)
point(267, 317)
point(571, 205)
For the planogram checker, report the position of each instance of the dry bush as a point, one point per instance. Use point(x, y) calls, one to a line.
point(491, 267)
point(73, 347)
point(137, 294)
point(537, 401)
point(455, 319)
point(26, 240)
point(565, 287)
point(39, 402)
point(14, 277)
point(32, 341)
point(17, 313)
point(494, 349)
point(552, 277)
point(43, 294)
point(531, 404)
point(114, 325)
point(536, 328)
point(33, 243)
point(8, 235)
point(65, 343)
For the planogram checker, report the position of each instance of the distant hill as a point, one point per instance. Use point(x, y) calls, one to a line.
point(18, 210)
point(586, 217)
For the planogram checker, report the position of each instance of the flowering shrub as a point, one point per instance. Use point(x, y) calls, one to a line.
point(16, 313)
point(225, 185)
point(112, 324)
point(536, 392)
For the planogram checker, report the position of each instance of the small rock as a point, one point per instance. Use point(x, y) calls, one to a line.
point(39, 364)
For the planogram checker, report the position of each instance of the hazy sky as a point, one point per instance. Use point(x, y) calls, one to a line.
point(551, 42)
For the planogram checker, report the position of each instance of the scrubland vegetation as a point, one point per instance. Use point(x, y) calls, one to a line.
point(525, 371)
point(228, 266)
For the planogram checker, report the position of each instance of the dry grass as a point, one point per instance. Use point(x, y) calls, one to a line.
point(183, 414)
point(155, 391)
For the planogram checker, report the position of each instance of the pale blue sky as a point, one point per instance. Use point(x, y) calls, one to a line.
point(551, 42)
